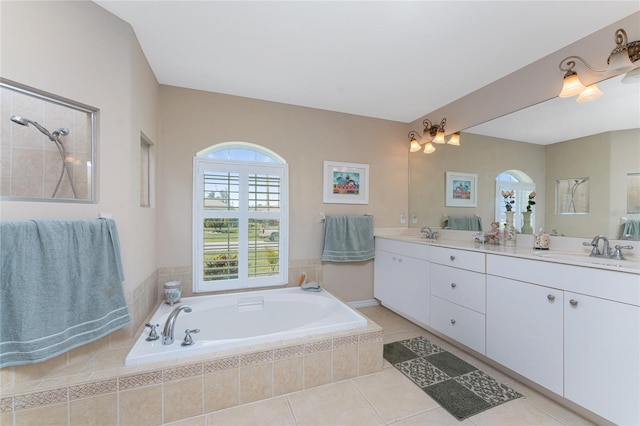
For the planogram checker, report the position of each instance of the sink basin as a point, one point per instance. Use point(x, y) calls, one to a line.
point(584, 258)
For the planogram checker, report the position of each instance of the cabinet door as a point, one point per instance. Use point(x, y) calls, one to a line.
point(602, 357)
point(524, 330)
point(385, 286)
point(413, 280)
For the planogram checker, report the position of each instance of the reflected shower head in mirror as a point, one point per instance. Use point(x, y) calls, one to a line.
point(25, 122)
point(55, 138)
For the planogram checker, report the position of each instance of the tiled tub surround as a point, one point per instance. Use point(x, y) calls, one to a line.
point(165, 392)
point(81, 364)
point(92, 380)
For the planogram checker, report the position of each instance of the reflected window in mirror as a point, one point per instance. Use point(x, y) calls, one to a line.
point(522, 186)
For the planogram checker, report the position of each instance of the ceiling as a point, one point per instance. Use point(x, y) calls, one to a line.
point(394, 60)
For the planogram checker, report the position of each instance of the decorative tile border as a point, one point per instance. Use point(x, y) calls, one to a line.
point(345, 341)
point(92, 389)
point(133, 381)
point(321, 346)
point(288, 352)
point(140, 380)
point(372, 337)
point(221, 364)
point(182, 372)
point(256, 358)
point(6, 404)
point(38, 399)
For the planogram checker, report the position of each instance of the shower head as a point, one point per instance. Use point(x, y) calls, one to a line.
point(580, 181)
point(20, 120)
point(25, 122)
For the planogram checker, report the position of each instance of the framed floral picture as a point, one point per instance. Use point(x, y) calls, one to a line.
point(345, 183)
point(461, 189)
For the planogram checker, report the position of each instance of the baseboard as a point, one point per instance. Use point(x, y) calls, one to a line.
point(363, 303)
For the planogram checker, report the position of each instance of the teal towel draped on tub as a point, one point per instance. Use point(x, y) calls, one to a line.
point(348, 239)
point(61, 287)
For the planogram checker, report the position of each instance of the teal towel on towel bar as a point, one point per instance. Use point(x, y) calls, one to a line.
point(465, 223)
point(632, 227)
point(348, 239)
point(61, 287)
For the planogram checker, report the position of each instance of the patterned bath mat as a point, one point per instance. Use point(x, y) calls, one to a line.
point(459, 387)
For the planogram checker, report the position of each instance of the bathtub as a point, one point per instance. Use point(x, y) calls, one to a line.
point(235, 320)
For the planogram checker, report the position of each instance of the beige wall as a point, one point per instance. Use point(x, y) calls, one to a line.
point(193, 120)
point(486, 156)
point(77, 50)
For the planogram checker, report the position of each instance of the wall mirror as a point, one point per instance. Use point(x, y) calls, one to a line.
point(48, 148)
point(552, 141)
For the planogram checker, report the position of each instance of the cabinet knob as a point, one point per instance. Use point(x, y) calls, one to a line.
point(400, 260)
point(394, 258)
point(452, 258)
point(551, 297)
point(573, 302)
point(453, 285)
point(453, 322)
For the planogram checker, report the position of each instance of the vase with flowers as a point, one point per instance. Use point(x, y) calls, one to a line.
point(526, 215)
point(509, 234)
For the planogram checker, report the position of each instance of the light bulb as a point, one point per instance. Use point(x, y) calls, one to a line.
point(429, 148)
point(589, 93)
point(571, 85)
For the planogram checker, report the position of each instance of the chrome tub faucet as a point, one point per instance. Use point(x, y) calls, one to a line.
point(167, 333)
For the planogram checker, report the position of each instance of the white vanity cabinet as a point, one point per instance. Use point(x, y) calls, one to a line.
point(602, 356)
point(401, 278)
point(524, 330)
point(458, 295)
point(584, 344)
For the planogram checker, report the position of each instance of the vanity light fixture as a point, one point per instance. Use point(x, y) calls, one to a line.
point(432, 134)
point(621, 59)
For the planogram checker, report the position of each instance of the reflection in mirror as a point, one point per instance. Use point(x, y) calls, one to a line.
point(572, 196)
point(48, 146)
point(555, 140)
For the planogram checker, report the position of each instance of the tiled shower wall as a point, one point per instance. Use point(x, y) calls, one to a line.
point(30, 164)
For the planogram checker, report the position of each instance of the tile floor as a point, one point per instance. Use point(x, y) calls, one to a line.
point(387, 397)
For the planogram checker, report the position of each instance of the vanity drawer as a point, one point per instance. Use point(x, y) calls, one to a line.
point(606, 284)
point(463, 259)
point(404, 248)
point(466, 288)
point(459, 323)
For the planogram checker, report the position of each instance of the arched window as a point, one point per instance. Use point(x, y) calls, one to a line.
point(240, 217)
point(521, 185)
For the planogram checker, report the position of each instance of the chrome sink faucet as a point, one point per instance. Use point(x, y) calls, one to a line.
point(595, 251)
point(167, 333)
point(429, 233)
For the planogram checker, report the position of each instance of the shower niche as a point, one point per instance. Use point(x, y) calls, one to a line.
point(48, 146)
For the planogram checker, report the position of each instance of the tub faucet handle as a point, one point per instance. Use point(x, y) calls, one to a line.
point(188, 340)
point(153, 334)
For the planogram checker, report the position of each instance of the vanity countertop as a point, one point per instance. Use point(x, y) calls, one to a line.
point(630, 265)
